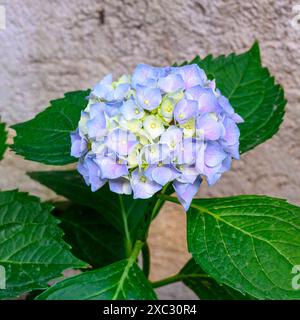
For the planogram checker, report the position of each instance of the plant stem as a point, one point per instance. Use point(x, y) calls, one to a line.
point(159, 202)
point(168, 198)
point(149, 215)
point(128, 244)
point(176, 278)
point(146, 259)
point(136, 250)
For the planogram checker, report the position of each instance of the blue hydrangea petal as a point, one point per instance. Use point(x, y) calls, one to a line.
point(194, 93)
point(142, 74)
point(120, 186)
point(226, 164)
point(225, 104)
point(146, 75)
point(189, 174)
point(111, 168)
point(233, 150)
point(186, 191)
point(91, 173)
point(187, 151)
point(209, 127)
point(172, 137)
point(161, 174)
point(97, 126)
point(107, 80)
point(157, 152)
point(207, 101)
point(228, 109)
point(213, 174)
point(98, 147)
point(121, 141)
point(143, 187)
point(214, 154)
point(237, 118)
point(192, 75)
point(148, 98)
point(96, 108)
point(130, 110)
point(104, 89)
point(232, 132)
point(79, 145)
point(171, 83)
point(82, 169)
point(200, 163)
point(121, 91)
point(112, 108)
point(184, 110)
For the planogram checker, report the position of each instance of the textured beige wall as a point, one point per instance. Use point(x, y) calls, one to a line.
point(50, 47)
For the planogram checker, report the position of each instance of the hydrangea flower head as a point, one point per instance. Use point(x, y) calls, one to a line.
point(157, 126)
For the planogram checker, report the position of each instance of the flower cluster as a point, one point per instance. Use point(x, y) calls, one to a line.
point(159, 125)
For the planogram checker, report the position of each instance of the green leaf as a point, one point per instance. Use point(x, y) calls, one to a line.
point(46, 138)
point(122, 280)
point(91, 238)
point(31, 247)
point(71, 185)
point(251, 91)
point(250, 243)
point(207, 288)
point(126, 215)
point(3, 137)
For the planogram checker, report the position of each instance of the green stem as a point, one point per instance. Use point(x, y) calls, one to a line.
point(178, 277)
point(143, 234)
point(128, 243)
point(168, 198)
point(136, 250)
point(159, 202)
point(148, 217)
point(146, 259)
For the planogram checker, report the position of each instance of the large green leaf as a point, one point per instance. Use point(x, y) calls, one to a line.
point(71, 185)
point(250, 243)
point(251, 91)
point(122, 280)
point(46, 138)
point(92, 239)
point(126, 215)
point(31, 247)
point(207, 288)
point(3, 137)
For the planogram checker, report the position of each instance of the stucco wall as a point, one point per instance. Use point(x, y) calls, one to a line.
point(50, 47)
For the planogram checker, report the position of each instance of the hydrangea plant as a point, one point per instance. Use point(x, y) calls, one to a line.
point(144, 139)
